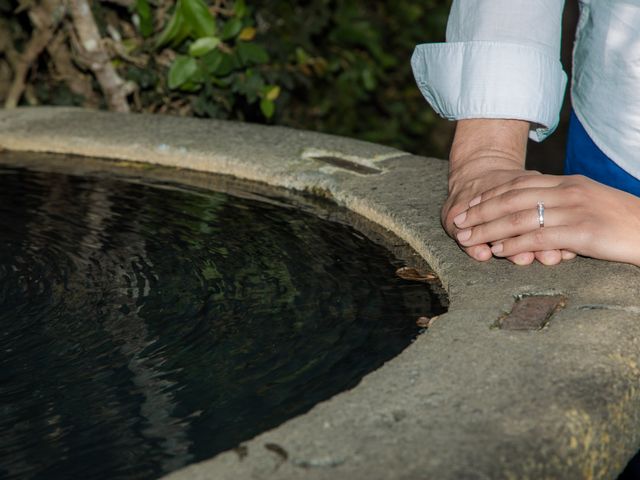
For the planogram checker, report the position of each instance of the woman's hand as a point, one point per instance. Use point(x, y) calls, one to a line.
point(581, 215)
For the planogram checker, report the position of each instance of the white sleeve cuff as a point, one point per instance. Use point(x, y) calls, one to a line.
point(491, 80)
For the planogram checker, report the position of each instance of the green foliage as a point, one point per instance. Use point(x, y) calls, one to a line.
point(223, 70)
point(143, 10)
point(338, 66)
point(342, 67)
point(354, 57)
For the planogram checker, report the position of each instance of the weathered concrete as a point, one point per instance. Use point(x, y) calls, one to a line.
point(466, 400)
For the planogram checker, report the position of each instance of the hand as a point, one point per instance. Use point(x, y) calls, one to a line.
point(581, 215)
point(464, 188)
point(487, 153)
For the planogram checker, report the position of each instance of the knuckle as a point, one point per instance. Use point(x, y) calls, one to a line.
point(478, 214)
point(584, 234)
point(574, 192)
point(577, 178)
point(517, 219)
point(539, 237)
point(447, 214)
point(521, 181)
point(510, 198)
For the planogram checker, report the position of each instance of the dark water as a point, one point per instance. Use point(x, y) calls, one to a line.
point(145, 328)
point(632, 470)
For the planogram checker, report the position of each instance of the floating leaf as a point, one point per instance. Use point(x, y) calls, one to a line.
point(203, 46)
point(183, 69)
point(199, 18)
point(267, 107)
point(411, 274)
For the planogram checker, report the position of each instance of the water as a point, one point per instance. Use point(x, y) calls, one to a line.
point(145, 327)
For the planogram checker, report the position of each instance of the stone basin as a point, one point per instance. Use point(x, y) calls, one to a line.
point(533, 373)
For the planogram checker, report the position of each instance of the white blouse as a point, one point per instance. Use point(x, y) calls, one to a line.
point(502, 60)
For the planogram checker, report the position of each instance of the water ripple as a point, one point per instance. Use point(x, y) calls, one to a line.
point(145, 328)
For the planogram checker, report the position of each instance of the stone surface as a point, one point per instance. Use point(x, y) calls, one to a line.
point(466, 400)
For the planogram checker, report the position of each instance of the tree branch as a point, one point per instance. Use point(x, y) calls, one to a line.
point(45, 23)
point(64, 70)
point(91, 47)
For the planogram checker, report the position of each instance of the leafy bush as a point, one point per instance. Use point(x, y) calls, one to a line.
point(339, 66)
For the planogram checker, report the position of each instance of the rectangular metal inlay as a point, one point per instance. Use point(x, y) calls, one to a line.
point(348, 165)
point(532, 312)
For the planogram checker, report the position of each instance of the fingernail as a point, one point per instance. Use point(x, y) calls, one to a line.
point(522, 259)
point(464, 235)
point(475, 201)
point(459, 219)
point(497, 248)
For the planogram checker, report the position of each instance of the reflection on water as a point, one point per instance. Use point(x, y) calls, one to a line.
point(145, 328)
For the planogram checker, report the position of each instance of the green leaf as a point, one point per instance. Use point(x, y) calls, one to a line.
point(227, 65)
point(301, 56)
point(251, 53)
point(368, 79)
point(240, 8)
point(247, 34)
point(231, 28)
point(198, 17)
point(267, 107)
point(203, 46)
point(183, 69)
point(203, 107)
point(271, 92)
point(146, 17)
point(175, 31)
point(251, 85)
point(211, 61)
point(190, 86)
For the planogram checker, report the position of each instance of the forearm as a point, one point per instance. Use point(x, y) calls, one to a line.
point(481, 145)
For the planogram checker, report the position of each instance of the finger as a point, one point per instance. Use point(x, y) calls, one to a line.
point(518, 183)
point(567, 255)
point(481, 253)
point(509, 202)
point(549, 257)
point(525, 258)
point(513, 225)
point(548, 238)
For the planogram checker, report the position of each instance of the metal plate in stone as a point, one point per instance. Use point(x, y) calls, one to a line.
point(532, 312)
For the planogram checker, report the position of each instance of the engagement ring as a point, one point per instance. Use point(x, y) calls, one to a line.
point(541, 214)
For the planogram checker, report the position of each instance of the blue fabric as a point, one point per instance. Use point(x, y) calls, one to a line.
point(585, 158)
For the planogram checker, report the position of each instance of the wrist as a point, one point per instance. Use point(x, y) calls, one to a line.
point(484, 144)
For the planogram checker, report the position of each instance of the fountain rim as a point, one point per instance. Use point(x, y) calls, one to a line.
point(459, 388)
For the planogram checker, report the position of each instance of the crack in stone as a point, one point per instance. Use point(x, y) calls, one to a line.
point(602, 306)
